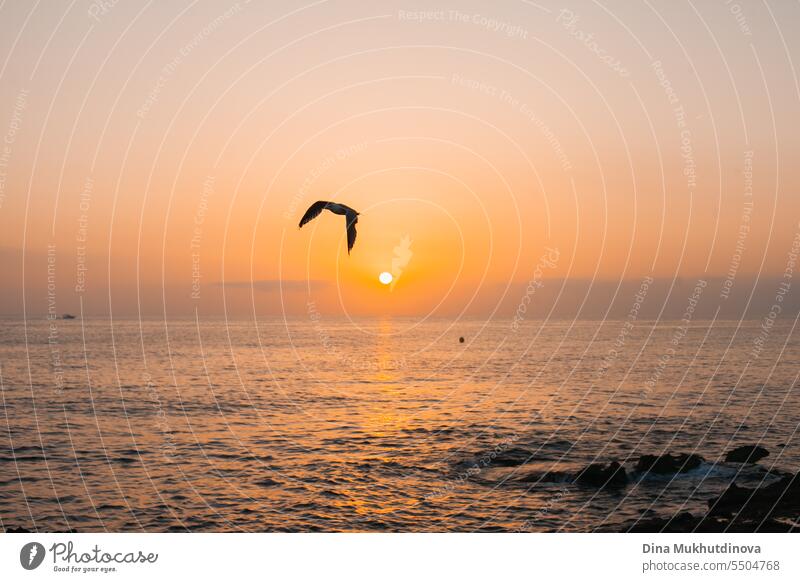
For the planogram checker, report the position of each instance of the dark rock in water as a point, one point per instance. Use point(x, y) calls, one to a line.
point(668, 464)
point(598, 475)
point(511, 457)
point(773, 508)
point(776, 500)
point(686, 522)
point(746, 454)
point(540, 472)
point(267, 482)
point(545, 477)
point(678, 523)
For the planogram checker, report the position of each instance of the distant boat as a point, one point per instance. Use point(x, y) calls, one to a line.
point(67, 316)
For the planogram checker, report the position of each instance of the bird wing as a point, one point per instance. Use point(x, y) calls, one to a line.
point(313, 211)
point(352, 220)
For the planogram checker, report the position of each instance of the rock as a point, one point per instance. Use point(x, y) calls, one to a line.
point(548, 477)
point(545, 477)
point(779, 499)
point(686, 522)
point(511, 457)
point(774, 508)
point(746, 454)
point(668, 464)
point(540, 472)
point(678, 523)
point(598, 475)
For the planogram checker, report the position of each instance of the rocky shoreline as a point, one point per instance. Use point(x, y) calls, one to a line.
point(772, 507)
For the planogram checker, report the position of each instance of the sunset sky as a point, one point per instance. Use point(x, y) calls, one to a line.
point(147, 145)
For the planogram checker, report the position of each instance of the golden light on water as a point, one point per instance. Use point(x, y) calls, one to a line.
point(385, 278)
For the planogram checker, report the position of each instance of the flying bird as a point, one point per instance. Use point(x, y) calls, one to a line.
point(351, 218)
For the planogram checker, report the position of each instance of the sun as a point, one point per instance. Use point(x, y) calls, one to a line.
point(385, 278)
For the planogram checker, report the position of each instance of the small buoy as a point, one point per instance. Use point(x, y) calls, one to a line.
point(461, 340)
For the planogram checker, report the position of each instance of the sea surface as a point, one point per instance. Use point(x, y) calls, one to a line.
point(325, 424)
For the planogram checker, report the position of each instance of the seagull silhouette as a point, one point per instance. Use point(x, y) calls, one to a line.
point(351, 218)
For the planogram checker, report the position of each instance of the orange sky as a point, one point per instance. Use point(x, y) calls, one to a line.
point(152, 144)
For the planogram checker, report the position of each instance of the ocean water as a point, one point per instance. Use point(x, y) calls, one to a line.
point(323, 424)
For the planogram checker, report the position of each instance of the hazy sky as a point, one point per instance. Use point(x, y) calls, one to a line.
point(156, 157)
